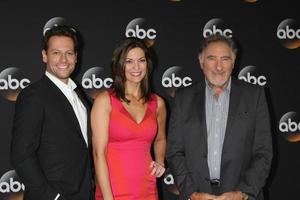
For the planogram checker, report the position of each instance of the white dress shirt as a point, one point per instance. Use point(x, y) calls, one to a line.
point(78, 107)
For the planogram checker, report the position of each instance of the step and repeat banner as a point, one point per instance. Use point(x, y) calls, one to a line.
point(268, 35)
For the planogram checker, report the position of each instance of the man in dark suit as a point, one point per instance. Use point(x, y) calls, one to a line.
point(219, 141)
point(51, 142)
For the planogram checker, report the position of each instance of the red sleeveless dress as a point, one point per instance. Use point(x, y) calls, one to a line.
point(128, 153)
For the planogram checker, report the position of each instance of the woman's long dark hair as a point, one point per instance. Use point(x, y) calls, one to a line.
point(118, 68)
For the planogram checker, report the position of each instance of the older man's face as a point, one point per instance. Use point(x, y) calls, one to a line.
point(217, 62)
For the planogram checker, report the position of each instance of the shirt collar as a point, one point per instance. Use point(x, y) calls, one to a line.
point(227, 89)
point(61, 85)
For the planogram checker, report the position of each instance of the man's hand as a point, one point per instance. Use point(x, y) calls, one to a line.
point(202, 196)
point(234, 195)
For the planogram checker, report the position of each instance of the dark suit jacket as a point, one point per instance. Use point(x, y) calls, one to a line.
point(48, 150)
point(247, 148)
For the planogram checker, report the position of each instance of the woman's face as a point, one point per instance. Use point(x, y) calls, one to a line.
point(135, 65)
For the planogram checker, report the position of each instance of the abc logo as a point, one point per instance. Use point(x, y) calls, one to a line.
point(214, 30)
point(245, 75)
point(261, 80)
point(175, 81)
point(169, 180)
point(288, 33)
point(141, 33)
point(290, 127)
point(170, 80)
point(139, 28)
point(287, 124)
point(53, 22)
point(210, 28)
point(95, 82)
point(10, 184)
point(12, 83)
point(170, 183)
point(286, 30)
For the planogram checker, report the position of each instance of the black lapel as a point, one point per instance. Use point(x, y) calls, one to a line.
point(235, 96)
point(63, 104)
point(200, 102)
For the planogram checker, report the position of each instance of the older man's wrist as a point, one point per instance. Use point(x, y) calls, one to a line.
point(192, 195)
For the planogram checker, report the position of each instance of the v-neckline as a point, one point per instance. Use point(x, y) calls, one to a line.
point(126, 112)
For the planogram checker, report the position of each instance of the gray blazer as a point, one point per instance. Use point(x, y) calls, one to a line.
point(247, 149)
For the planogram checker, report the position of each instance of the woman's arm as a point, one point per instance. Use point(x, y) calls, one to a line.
point(99, 121)
point(158, 167)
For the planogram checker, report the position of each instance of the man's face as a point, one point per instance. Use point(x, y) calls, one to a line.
point(217, 62)
point(60, 57)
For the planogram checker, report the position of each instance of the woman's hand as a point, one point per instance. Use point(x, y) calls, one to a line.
point(157, 169)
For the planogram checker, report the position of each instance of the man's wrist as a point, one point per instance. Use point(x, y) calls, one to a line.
point(192, 195)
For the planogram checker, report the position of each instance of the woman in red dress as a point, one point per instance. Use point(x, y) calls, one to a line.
point(126, 121)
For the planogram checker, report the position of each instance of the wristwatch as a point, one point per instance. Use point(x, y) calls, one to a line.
point(244, 196)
